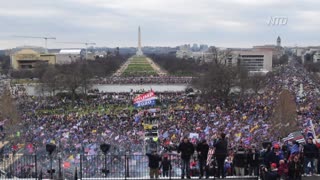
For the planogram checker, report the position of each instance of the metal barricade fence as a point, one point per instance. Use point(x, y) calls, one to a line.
point(109, 166)
point(19, 166)
point(122, 167)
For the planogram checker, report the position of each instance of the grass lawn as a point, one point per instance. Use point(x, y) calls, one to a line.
point(87, 110)
point(139, 66)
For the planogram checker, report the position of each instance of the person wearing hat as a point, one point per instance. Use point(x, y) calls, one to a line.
point(273, 173)
point(202, 149)
point(274, 156)
point(186, 149)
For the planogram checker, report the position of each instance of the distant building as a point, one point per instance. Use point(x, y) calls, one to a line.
point(184, 52)
point(253, 60)
point(67, 56)
point(29, 58)
point(194, 52)
point(277, 50)
point(311, 54)
point(316, 57)
point(299, 51)
point(279, 41)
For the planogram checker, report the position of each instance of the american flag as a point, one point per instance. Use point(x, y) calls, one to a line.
point(210, 154)
point(309, 130)
point(295, 136)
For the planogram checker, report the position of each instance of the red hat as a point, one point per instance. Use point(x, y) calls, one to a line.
point(277, 146)
point(274, 165)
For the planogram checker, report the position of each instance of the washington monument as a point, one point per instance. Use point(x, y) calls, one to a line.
point(139, 51)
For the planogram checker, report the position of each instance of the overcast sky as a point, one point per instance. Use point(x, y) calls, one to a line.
point(111, 23)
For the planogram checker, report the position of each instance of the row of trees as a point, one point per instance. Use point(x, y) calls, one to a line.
point(218, 82)
point(10, 117)
point(312, 67)
point(71, 78)
point(220, 78)
point(276, 61)
point(177, 66)
point(76, 76)
point(4, 64)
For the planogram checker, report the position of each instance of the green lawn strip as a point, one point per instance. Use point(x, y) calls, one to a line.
point(139, 66)
point(87, 110)
point(133, 69)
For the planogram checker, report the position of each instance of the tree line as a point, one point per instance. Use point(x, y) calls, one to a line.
point(178, 67)
point(219, 80)
point(72, 78)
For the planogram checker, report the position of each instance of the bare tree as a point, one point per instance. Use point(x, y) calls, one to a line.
point(9, 113)
point(50, 80)
point(243, 79)
point(257, 82)
point(285, 115)
point(71, 78)
point(221, 77)
point(217, 82)
point(4, 64)
point(85, 75)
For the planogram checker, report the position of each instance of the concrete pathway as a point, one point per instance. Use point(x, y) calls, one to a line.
point(157, 68)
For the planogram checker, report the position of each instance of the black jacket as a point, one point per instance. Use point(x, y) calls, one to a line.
point(310, 150)
point(186, 149)
point(221, 147)
point(272, 175)
point(153, 160)
point(253, 158)
point(166, 165)
point(240, 159)
point(295, 169)
point(202, 150)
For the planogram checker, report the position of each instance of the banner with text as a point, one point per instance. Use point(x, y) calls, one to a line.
point(146, 99)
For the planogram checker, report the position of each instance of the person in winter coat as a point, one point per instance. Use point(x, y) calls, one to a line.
point(154, 160)
point(221, 152)
point(253, 160)
point(239, 161)
point(310, 151)
point(274, 156)
point(273, 173)
point(295, 168)
point(283, 169)
point(186, 149)
point(165, 166)
point(202, 149)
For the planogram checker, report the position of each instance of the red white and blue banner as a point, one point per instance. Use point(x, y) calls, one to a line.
point(146, 99)
point(309, 129)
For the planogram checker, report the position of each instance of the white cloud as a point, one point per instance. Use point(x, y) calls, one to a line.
point(306, 21)
point(178, 20)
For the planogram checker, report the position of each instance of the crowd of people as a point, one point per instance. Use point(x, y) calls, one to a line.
point(78, 128)
point(144, 80)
